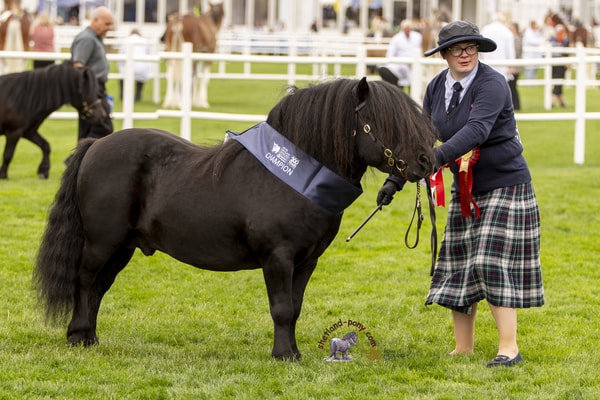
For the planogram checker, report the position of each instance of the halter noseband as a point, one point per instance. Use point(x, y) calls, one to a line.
point(392, 161)
point(86, 109)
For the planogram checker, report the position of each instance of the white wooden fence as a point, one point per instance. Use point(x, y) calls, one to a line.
point(322, 58)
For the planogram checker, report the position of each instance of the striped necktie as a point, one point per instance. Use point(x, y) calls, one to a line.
point(456, 89)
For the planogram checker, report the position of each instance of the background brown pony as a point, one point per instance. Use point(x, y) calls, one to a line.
point(576, 31)
point(202, 33)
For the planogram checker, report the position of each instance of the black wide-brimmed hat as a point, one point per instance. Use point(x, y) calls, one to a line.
point(462, 31)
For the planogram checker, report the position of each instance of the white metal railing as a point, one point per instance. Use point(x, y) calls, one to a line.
point(336, 56)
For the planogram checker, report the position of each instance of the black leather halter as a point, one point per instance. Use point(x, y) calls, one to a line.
point(86, 109)
point(401, 166)
point(392, 160)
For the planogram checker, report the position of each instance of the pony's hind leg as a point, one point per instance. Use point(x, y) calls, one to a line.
point(104, 281)
point(38, 140)
point(93, 283)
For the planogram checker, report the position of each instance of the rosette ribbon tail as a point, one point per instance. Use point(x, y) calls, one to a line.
point(465, 180)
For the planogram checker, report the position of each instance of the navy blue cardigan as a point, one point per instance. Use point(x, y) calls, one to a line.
point(484, 118)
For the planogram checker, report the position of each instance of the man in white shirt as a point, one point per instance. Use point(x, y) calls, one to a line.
point(505, 40)
point(141, 69)
point(404, 44)
point(532, 37)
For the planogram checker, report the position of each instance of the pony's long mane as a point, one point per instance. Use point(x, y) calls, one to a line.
point(43, 88)
point(320, 120)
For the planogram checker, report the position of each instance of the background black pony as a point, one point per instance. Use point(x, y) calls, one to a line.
point(28, 98)
point(219, 208)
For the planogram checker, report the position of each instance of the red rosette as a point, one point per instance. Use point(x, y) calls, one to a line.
point(437, 187)
point(465, 182)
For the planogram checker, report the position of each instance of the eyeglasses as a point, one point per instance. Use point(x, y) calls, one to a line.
point(457, 51)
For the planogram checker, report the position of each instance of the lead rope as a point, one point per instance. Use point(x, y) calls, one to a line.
point(418, 213)
point(433, 226)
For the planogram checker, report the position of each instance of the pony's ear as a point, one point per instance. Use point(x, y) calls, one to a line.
point(362, 90)
point(87, 80)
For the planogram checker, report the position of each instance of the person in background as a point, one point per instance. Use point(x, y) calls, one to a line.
point(516, 71)
point(532, 37)
point(491, 245)
point(500, 33)
point(141, 68)
point(403, 44)
point(87, 50)
point(560, 39)
point(42, 36)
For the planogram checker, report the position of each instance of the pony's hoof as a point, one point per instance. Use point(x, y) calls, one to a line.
point(288, 357)
point(77, 340)
point(42, 175)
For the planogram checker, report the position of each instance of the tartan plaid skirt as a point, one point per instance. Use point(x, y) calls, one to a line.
point(495, 257)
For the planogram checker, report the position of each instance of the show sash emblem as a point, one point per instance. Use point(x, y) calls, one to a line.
point(465, 183)
point(297, 169)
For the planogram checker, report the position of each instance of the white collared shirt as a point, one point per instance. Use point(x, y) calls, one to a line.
point(465, 83)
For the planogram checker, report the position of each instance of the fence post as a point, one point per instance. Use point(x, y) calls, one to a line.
point(361, 63)
point(416, 77)
point(128, 88)
point(580, 92)
point(291, 81)
point(186, 92)
point(548, 80)
point(156, 80)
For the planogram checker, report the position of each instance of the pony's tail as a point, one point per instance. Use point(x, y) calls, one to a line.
point(60, 252)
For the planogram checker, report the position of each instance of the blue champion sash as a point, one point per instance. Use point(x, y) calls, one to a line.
point(297, 169)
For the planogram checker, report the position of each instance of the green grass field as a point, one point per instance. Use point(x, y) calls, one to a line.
point(169, 331)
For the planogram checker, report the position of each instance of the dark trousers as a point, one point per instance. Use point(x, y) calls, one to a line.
point(512, 84)
point(102, 128)
point(139, 86)
point(558, 72)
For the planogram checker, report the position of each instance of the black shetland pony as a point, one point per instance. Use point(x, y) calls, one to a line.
point(28, 98)
point(219, 208)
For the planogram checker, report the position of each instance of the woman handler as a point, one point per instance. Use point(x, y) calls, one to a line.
point(491, 244)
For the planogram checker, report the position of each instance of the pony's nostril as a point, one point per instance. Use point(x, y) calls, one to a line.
point(425, 161)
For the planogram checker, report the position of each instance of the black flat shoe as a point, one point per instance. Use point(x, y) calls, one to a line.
point(501, 360)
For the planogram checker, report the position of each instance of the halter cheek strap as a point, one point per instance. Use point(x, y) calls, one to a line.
point(392, 161)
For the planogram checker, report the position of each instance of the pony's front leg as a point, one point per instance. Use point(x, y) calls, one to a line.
point(278, 278)
point(9, 152)
point(302, 274)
